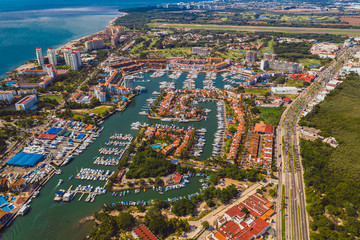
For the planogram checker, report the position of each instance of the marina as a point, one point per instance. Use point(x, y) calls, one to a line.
point(44, 208)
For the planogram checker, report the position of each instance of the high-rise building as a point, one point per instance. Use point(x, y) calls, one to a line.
point(251, 56)
point(52, 56)
point(95, 43)
point(129, 83)
point(6, 96)
point(39, 56)
point(269, 57)
point(74, 61)
point(67, 52)
point(200, 51)
point(72, 58)
point(27, 103)
point(78, 57)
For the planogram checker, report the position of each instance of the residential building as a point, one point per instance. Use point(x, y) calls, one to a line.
point(95, 43)
point(67, 52)
point(200, 51)
point(27, 103)
point(284, 90)
point(74, 61)
point(129, 83)
point(251, 56)
point(281, 66)
point(6, 96)
point(142, 232)
point(39, 56)
point(52, 56)
point(269, 57)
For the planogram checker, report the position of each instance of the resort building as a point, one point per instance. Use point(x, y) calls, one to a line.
point(200, 51)
point(325, 50)
point(284, 90)
point(39, 56)
point(269, 57)
point(142, 232)
point(52, 56)
point(95, 43)
point(6, 96)
point(235, 224)
point(27, 103)
point(281, 66)
point(251, 56)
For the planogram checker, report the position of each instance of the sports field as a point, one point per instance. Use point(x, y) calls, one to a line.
point(349, 32)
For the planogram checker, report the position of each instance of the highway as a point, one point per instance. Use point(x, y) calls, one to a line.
point(287, 152)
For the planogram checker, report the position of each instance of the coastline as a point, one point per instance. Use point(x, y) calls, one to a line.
point(73, 42)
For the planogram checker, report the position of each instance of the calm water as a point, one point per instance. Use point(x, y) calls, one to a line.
point(27, 24)
point(50, 220)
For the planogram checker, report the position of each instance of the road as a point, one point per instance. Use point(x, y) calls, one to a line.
point(290, 172)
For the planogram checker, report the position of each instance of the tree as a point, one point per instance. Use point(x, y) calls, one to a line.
point(205, 224)
point(125, 221)
point(182, 207)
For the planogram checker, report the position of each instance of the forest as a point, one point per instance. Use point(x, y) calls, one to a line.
point(332, 175)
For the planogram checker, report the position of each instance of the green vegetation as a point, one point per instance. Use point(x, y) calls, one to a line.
point(257, 91)
point(149, 163)
point(58, 98)
point(332, 175)
point(296, 83)
point(271, 115)
point(294, 51)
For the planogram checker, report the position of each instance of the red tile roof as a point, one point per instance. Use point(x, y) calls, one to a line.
point(144, 233)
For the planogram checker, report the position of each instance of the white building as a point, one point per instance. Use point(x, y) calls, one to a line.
point(27, 103)
point(67, 52)
point(52, 56)
point(200, 51)
point(6, 96)
point(284, 90)
point(129, 83)
point(75, 60)
point(95, 43)
point(39, 56)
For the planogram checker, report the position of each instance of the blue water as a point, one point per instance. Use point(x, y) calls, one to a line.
point(7, 207)
point(2, 200)
point(27, 24)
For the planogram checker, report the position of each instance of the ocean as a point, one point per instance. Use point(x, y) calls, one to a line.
point(27, 24)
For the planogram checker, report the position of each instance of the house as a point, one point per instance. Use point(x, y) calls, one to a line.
point(264, 128)
point(142, 232)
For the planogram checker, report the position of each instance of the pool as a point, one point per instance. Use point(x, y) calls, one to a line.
point(8, 207)
point(156, 146)
point(2, 200)
point(13, 199)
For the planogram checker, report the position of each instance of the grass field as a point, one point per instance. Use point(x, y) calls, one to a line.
point(257, 91)
point(307, 61)
point(57, 98)
point(271, 115)
point(295, 83)
point(101, 110)
point(349, 32)
point(269, 46)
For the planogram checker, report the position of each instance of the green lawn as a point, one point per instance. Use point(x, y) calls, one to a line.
point(101, 110)
point(307, 61)
point(271, 115)
point(257, 91)
point(269, 47)
point(349, 32)
point(58, 98)
point(296, 83)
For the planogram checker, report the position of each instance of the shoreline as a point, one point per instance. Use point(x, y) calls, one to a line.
point(68, 44)
point(71, 43)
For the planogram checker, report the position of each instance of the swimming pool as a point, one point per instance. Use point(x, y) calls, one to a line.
point(8, 207)
point(2, 200)
point(157, 146)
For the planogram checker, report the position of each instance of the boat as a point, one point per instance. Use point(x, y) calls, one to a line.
point(24, 209)
point(137, 190)
point(60, 181)
point(166, 120)
point(71, 177)
point(58, 195)
point(35, 194)
point(68, 197)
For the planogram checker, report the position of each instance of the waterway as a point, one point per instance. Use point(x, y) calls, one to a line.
point(51, 220)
